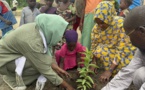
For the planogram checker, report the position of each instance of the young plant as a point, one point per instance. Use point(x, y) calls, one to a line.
point(85, 82)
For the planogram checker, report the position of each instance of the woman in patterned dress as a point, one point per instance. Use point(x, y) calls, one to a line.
point(109, 42)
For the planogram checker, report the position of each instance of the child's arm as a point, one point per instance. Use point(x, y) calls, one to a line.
point(78, 59)
point(61, 62)
point(71, 19)
point(5, 21)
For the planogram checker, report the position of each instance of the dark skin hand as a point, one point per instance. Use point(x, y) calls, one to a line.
point(107, 74)
point(70, 19)
point(59, 70)
point(64, 73)
point(6, 21)
point(94, 62)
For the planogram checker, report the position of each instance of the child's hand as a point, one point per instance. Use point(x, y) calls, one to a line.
point(64, 73)
point(8, 22)
point(61, 65)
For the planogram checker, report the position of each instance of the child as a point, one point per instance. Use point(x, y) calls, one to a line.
point(124, 4)
point(69, 55)
point(67, 10)
point(29, 13)
point(48, 9)
point(7, 18)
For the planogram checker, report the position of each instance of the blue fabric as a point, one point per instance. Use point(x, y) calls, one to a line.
point(5, 30)
point(134, 4)
point(8, 16)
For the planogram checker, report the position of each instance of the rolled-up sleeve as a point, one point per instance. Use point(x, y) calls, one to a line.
point(34, 51)
point(124, 78)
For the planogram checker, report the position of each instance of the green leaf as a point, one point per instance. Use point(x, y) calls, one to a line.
point(83, 75)
point(90, 79)
point(88, 84)
point(81, 63)
point(93, 65)
point(83, 53)
point(83, 82)
point(84, 87)
point(82, 72)
point(79, 80)
point(87, 50)
point(79, 87)
point(91, 72)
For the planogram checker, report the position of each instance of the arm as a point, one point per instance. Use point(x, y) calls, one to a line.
point(78, 59)
point(5, 21)
point(1, 18)
point(44, 64)
point(124, 77)
point(71, 19)
point(61, 62)
point(59, 71)
point(123, 50)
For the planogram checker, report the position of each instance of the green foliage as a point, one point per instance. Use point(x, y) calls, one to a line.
point(21, 3)
point(85, 82)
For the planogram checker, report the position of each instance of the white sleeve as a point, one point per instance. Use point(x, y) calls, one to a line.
point(124, 77)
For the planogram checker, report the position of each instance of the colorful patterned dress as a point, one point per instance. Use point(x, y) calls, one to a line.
point(111, 45)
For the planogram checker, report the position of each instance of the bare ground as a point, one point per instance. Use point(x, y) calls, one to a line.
point(50, 86)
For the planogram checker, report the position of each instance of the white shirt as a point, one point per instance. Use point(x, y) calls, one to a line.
point(27, 16)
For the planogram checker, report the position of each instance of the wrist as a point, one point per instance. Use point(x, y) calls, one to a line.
point(64, 84)
point(54, 66)
point(111, 70)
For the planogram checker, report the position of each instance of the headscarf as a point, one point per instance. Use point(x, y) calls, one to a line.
point(71, 36)
point(52, 26)
point(105, 11)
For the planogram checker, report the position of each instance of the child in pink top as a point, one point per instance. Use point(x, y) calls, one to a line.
point(69, 54)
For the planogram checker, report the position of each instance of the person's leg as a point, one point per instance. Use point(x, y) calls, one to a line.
point(5, 30)
point(139, 77)
point(9, 76)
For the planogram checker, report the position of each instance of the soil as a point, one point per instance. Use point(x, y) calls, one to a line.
point(73, 73)
point(49, 86)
